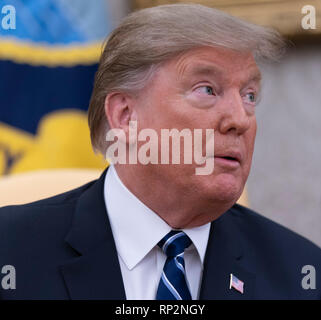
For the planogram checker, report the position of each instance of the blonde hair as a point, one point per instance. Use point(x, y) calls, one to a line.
point(148, 37)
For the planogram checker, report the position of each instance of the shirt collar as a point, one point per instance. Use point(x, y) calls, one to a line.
point(136, 228)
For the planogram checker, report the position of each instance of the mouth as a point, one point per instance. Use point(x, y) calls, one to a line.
point(229, 158)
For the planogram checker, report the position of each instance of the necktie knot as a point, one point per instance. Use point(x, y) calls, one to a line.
point(174, 243)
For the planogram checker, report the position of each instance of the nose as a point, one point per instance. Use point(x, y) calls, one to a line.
point(234, 117)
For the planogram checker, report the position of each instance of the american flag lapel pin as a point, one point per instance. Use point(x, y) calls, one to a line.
point(236, 283)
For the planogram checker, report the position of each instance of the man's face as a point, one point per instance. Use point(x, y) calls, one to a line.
point(205, 88)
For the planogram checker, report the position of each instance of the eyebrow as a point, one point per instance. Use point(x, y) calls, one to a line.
point(210, 70)
point(201, 69)
point(255, 76)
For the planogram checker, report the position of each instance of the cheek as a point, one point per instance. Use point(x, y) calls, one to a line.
point(249, 143)
point(252, 135)
point(148, 113)
point(175, 114)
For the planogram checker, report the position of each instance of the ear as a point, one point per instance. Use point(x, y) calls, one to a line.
point(119, 110)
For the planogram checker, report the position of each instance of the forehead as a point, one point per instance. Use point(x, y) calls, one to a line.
point(218, 62)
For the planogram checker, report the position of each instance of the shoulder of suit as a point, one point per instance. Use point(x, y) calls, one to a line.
point(256, 227)
point(15, 216)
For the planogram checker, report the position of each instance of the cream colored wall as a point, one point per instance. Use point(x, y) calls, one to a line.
point(285, 181)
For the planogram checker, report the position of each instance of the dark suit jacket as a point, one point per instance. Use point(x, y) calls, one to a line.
point(63, 248)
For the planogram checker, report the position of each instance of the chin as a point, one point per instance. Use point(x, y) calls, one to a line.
point(224, 188)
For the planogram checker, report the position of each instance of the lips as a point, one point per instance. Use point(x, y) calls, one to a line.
point(229, 155)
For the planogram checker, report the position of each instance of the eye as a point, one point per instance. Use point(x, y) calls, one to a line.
point(251, 96)
point(206, 89)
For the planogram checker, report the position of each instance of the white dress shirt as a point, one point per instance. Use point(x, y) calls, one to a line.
point(136, 231)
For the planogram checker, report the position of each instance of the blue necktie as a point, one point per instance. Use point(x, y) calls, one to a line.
point(172, 285)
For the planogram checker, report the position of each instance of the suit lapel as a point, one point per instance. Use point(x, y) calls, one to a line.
point(96, 273)
point(224, 255)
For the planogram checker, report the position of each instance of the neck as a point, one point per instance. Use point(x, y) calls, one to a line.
point(178, 208)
